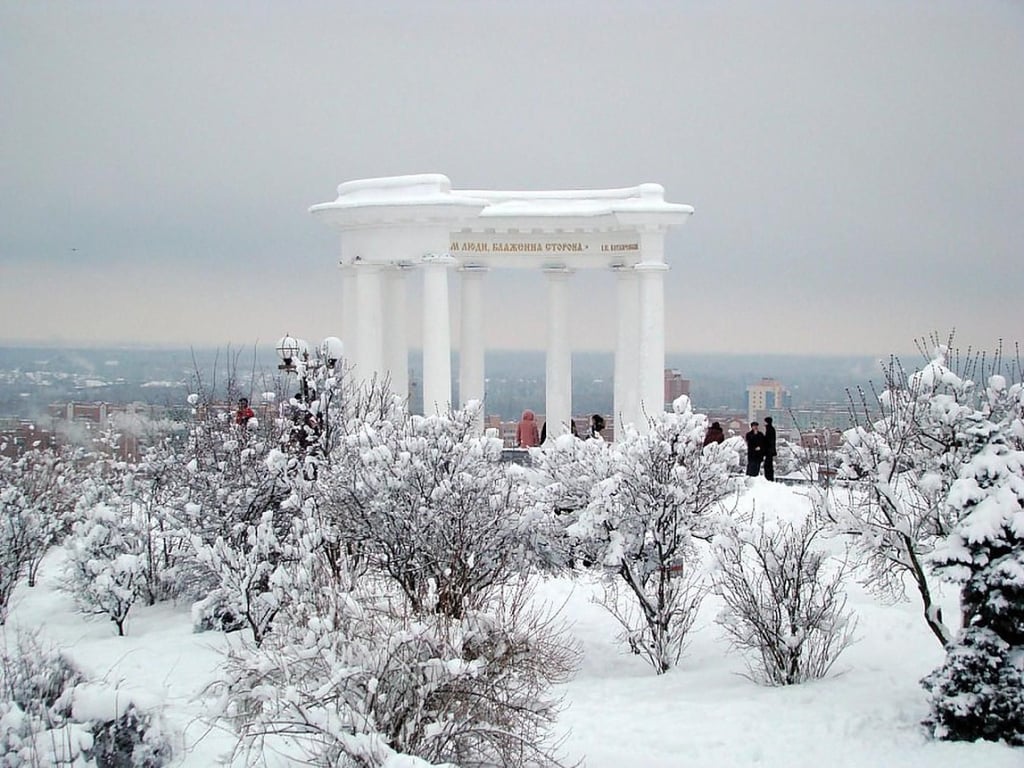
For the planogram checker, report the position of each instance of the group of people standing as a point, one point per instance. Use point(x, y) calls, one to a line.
point(761, 449)
point(761, 446)
point(528, 436)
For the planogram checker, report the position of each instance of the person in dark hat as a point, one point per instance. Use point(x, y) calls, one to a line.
point(769, 449)
point(755, 449)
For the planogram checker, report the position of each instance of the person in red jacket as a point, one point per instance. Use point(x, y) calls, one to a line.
point(244, 412)
point(527, 435)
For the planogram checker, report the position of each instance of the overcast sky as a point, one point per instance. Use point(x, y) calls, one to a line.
point(857, 168)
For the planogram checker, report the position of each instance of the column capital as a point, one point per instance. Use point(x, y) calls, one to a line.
point(651, 266)
point(474, 269)
point(557, 270)
point(622, 270)
point(367, 266)
point(437, 259)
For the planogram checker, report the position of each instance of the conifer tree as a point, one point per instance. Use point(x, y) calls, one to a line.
point(979, 691)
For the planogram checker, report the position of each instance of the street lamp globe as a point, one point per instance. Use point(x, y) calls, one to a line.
point(288, 350)
point(331, 350)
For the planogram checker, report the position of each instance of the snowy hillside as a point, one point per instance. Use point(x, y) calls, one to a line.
point(703, 713)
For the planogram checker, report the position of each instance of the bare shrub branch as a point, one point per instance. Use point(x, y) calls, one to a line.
point(785, 608)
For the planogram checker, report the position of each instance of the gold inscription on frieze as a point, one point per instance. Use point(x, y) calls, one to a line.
point(470, 246)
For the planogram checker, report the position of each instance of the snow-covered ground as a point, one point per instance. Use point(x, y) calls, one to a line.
point(618, 712)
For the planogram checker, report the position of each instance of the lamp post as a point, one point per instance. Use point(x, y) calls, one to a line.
point(295, 358)
point(316, 386)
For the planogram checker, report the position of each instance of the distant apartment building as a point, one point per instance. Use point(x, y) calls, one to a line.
point(506, 430)
point(836, 416)
point(101, 413)
point(821, 439)
point(675, 386)
point(63, 417)
point(767, 397)
point(19, 435)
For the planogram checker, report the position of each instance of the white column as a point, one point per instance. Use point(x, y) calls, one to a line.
point(396, 340)
point(370, 324)
point(558, 390)
point(652, 340)
point(437, 340)
point(627, 350)
point(471, 334)
point(349, 315)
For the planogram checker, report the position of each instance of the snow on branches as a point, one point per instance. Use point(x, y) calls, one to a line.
point(350, 677)
point(36, 491)
point(107, 568)
point(903, 464)
point(658, 491)
point(430, 503)
point(785, 607)
point(979, 690)
point(50, 714)
point(404, 628)
point(937, 486)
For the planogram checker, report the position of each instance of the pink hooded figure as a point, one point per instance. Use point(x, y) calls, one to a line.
point(527, 435)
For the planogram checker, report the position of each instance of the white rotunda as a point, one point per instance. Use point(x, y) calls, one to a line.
point(394, 226)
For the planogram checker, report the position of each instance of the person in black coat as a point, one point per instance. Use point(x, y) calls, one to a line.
point(755, 449)
point(770, 451)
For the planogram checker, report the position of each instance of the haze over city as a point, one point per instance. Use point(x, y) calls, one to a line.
point(855, 167)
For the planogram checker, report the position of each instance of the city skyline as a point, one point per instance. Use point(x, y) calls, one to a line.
point(853, 166)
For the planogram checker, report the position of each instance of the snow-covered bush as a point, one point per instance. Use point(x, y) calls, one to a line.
point(243, 568)
point(35, 678)
point(354, 678)
point(133, 739)
point(211, 485)
point(51, 715)
point(36, 726)
point(903, 464)
point(15, 543)
point(46, 481)
point(35, 493)
point(641, 522)
point(107, 564)
point(784, 603)
point(393, 579)
point(569, 469)
point(979, 690)
point(429, 502)
point(682, 594)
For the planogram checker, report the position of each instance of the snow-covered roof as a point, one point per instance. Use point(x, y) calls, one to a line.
point(419, 189)
point(434, 191)
point(645, 198)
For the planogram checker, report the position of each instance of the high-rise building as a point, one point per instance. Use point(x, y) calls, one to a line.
point(675, 385)
point(766, 398)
